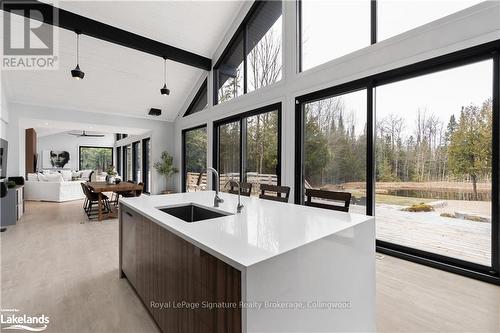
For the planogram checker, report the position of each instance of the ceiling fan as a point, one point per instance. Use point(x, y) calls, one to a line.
point(84, 133)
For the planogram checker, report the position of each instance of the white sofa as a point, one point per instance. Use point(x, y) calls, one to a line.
point(53, 187)
point(53, 191)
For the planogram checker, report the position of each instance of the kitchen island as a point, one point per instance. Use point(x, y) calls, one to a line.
point(274, 267)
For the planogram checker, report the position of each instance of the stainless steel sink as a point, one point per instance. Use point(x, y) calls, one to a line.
point(193, 212)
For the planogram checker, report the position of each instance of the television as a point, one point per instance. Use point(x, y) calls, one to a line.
point(3, 158)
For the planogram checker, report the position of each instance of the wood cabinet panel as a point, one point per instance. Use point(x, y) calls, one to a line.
point(177, 274)
point(130, 219)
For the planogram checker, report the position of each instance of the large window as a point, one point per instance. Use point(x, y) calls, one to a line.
point(253, 58)
point(335, 146)
point(229, 152)
point(395, 17)
point(248, 147)
point(200, 100)
point(331, 29)
point(96, 158)
point(146, 164)
point(194, 152)
point(136, 162)
point(434, 153)
point(430, 136)
point(127, 163)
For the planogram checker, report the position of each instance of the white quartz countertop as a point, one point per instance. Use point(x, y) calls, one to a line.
point(263, 230)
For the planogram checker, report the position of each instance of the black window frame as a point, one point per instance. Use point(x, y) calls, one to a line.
point(471, 55)
point(241, 31)
point(203, 89)
point(183, 159)
point(276, 107)
point(135, 150)
point(80, 154)
point(146, 164)
point(119, 160)
point(372, 32)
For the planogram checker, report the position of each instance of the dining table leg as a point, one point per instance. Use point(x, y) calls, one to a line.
point(99, 206)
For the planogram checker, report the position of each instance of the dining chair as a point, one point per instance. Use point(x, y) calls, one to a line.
point(92, 198)
point(245, 189)
point(133, 193)
point(336, 200)
point(279, 190)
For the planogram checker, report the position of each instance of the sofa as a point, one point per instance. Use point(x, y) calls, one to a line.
point(55, 186)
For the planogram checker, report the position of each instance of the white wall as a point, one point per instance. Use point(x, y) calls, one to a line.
point(161, 133)
point(473, 26)
point(4, 112)
point(71, 144)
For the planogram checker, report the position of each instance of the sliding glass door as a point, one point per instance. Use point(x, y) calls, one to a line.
point(248, 147)
point(127, 158)
point(194, 152)
point(335, 146)
point(417, 148)
point(433, 162)
point(146, 164)
point(229, 152)
point(136, 162)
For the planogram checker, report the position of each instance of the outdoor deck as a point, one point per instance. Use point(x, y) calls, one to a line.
point(462, 239)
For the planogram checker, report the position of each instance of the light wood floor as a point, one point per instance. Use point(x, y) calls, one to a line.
point(53, 265)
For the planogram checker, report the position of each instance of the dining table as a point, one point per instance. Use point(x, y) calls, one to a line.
point(101, 187)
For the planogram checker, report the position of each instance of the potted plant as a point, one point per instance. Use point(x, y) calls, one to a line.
point(111, 174)
point(165, 167)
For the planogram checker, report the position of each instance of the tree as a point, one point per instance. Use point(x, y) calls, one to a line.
point(196, 150)
point(317, 152)
point(469, 152)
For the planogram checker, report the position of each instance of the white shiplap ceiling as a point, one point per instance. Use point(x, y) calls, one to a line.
point(120, 80)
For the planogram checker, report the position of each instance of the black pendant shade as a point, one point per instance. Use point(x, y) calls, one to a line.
point(77, 73)
point(164, 90)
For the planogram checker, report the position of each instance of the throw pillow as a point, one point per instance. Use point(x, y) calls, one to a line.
point(66, 174)
point(54, 178)
point(32, 177)
point(76, 174)
point(86, 174)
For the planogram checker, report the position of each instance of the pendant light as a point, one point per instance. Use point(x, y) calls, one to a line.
point(165, 91)
point(77, 73)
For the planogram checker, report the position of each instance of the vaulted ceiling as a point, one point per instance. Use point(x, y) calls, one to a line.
point(120, 80)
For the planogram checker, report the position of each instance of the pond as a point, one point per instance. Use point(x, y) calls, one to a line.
point(441, 195)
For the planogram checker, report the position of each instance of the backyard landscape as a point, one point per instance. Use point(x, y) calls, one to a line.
point(433, 151)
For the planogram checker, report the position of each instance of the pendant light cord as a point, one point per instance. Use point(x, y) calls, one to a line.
point(165, 72)
point(77, 49)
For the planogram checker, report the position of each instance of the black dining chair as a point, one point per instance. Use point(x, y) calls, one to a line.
point(245, 189)
point(336, 200)
point(92, 199)
point(133, 193)
point(282, 192)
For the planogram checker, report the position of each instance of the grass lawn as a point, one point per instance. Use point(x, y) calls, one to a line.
point(402, 201)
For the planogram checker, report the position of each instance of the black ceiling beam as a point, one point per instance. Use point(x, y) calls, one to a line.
point(74, 22)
